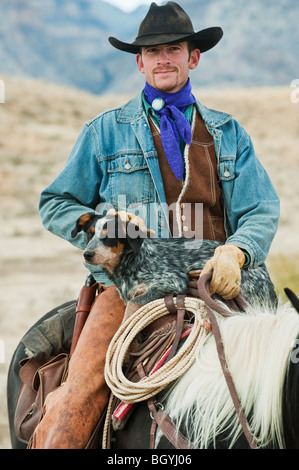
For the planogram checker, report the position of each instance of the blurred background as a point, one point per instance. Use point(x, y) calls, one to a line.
point(65, 42)
point(58, 70)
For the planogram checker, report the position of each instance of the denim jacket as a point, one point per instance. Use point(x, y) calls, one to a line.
point(114, 164)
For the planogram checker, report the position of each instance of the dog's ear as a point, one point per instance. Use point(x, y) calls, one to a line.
point(84, 223)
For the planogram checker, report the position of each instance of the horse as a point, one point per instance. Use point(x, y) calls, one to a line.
point(261, 349)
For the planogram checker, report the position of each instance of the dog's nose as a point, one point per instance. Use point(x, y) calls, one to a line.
point(88, 255)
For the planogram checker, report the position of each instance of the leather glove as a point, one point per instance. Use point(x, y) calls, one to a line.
point(226, 267)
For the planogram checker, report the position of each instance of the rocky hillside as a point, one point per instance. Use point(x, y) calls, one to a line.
point(66, 42)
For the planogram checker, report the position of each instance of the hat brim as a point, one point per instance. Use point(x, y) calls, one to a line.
point(204, 40)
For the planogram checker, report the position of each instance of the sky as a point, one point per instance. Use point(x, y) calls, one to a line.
point(129, 5)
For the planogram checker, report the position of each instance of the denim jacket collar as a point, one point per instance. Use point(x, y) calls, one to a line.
point(211, 117)
point(133, 110)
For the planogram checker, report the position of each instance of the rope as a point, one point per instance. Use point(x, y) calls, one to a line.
point(134, 392)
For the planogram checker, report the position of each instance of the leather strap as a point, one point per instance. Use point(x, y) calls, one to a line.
point(199, 287)
point(203, 293)
point(169, 303)
point(229, 379)
point(179, 326)
point(168, 428)
point(164, 422)
point(153, 351)
point(84, 303)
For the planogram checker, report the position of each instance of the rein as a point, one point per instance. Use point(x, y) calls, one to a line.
point(238, 304)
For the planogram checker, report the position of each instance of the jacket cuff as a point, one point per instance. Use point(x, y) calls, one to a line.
point(247, 258)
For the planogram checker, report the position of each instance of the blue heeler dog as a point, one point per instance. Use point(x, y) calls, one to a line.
point(145, 268)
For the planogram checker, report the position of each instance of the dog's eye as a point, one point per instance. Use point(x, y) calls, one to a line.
point(104, 230)
point(88, 235)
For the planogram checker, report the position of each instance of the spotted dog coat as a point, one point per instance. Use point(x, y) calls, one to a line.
point(145, 269)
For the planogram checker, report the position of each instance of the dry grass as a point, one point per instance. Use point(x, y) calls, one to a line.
point(284, 272)
point(39, 123)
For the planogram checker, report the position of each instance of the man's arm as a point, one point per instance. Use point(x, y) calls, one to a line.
point(252, 210)
point(74, 192)
point(254, 207)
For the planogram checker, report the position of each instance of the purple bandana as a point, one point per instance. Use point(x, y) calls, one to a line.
point(173, 123)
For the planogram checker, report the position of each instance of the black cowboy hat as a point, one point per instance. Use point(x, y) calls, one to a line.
point(168, 24)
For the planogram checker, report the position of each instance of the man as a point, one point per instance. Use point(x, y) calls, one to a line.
point(118, 159)
point(161, 154)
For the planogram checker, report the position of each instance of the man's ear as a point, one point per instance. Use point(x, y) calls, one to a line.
point(83, 223)
point(194, 59)
point(139, 62)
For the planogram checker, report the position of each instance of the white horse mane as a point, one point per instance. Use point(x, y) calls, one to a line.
point(257, 345)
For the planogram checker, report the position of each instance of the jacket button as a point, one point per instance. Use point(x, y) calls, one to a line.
point(226, 172)
point(185, 228)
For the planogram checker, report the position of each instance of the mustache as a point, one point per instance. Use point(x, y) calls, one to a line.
point(165, 69)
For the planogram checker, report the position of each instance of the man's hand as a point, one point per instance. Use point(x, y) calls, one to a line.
point(226, 267)
point(134, 219)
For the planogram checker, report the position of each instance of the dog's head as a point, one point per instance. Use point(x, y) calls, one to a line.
point(109, 236)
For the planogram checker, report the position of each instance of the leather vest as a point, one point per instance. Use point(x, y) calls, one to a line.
point(194, 204)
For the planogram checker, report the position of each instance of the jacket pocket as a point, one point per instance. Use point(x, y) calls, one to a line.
point(226, 168)
point(129, 177)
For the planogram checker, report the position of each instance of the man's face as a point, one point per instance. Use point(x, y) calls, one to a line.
point(166, 67)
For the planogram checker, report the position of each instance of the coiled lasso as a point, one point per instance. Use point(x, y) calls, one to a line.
point(134, 392)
